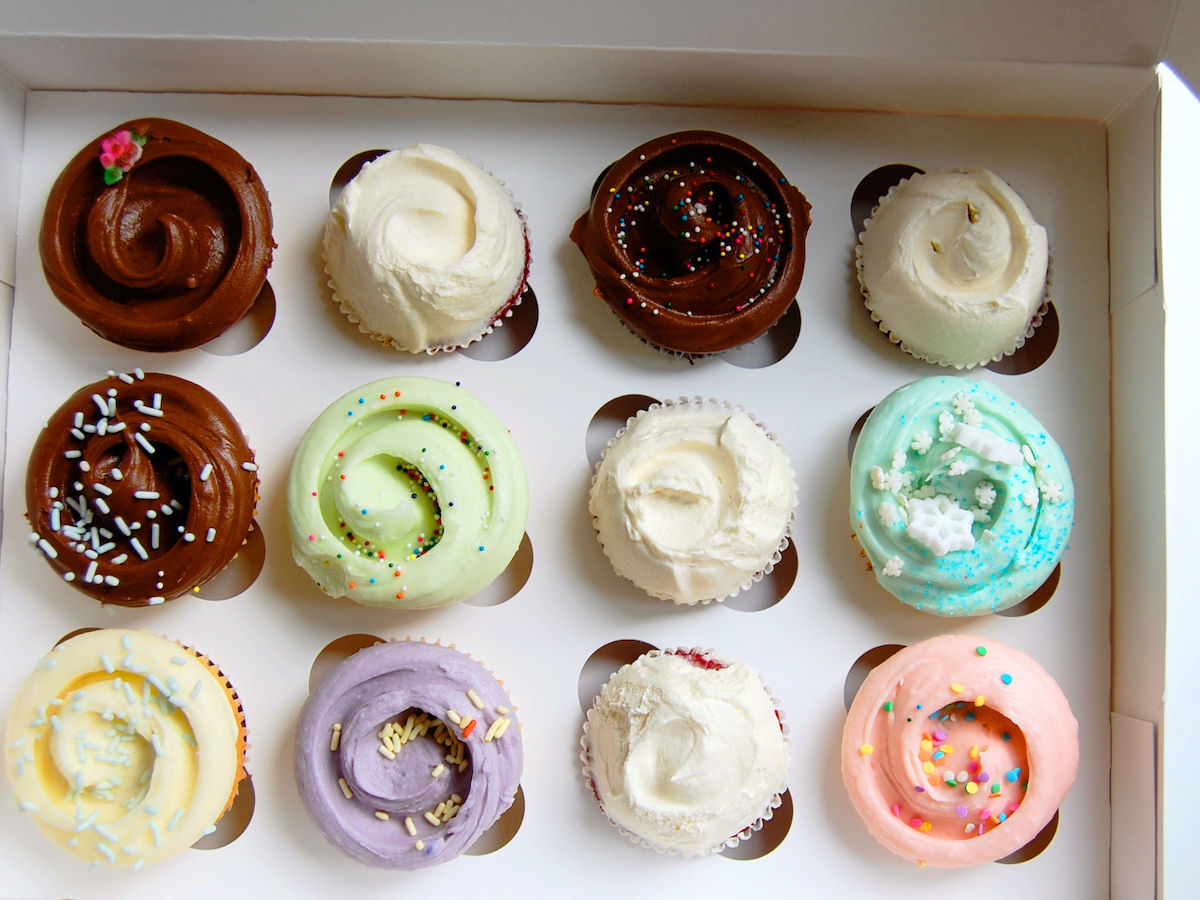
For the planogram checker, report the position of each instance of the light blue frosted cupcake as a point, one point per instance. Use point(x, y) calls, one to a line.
point(960, 499)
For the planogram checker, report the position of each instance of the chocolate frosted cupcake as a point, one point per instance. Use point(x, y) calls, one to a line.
point(140, 487)
point(406, 753)
point(157, 235)
point(696, 241)
point(124, 747)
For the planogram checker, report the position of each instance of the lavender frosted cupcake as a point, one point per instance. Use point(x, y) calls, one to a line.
point(406, 753)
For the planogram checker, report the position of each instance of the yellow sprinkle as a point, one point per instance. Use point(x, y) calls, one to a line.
point(503, 710)
point(409, 726)
point(440, 810)
point(453, 716)
point(345, 788)
point(492, 729)
point(972, 787)
point(926, 826)
point(335, 738)
point(462, 766)
point(979, 700)
point(504, 723)
point(928, 767)
point(927, 745)
point(456, 798)
point(432, 819)
point(384, 751)
point(956, 687)
point(866, 749)
point(381, 815)
point(475, 699)
point(974, 751)
point(420, 845)
point(438, 770)
point(410, 826)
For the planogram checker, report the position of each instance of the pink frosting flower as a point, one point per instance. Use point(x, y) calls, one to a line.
point(118, 152)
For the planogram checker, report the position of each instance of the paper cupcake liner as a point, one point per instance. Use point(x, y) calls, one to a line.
point(733, 840)
point(239, 714)
point(1036, 320)
point(771, 560)
point(494, 321)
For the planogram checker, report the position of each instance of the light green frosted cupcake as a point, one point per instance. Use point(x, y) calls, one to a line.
point(407, 492)
point(960, 499)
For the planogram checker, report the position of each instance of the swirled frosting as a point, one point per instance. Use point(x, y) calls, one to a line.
point(123, 747)
point(158, 236)
point(140, 487)
point(958, 750)
point(961, 500)
point(406, 753)
point(425, 250)
point(696, 241)
point(407, 492)
point(685, 750)
point(692, 501)
point(953, 266)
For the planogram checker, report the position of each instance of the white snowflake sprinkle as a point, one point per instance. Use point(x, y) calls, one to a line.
point(898, 459)
point(1053, 492)
point(1030, 497)
point(889, 515)
point(962, 403)
point(946, 423)
point(973, 417)
point(893, 567)
point(959, 467)
point(985, 494)
point(941, 525)
point(981, 515)
point(921, 442)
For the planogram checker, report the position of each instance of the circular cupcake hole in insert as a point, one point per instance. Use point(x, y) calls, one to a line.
point(504, 829)
point(510, 581)
point(767, 838)
point(1036, 349)
point(1037, 599)
point(769, 348)
point(241, 572)
point(874, 185)
point(863, 666)
point(608, 420)
point(603, 662)
point(855, 432)
point(248, 331)
point(337, 650)
point(772, 587)
point(234, 822)
point(75, 633)
point(1036, 846)
point(346, 172)
point(511, 333)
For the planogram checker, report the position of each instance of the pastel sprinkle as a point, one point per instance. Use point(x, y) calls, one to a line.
point(866, 749)
point(1006, 678)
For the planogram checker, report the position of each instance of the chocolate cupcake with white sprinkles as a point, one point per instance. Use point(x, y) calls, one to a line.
point(140, 487)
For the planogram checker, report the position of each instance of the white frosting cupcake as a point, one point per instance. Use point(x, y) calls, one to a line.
point(425, 250)
point(692, 501)
point(954, 267)
point(686, 751)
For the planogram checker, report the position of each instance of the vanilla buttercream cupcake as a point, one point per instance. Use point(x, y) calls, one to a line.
point(686, 751)
point(954, 267)
point(124, 747)
point(425, 250)
point(692, 501)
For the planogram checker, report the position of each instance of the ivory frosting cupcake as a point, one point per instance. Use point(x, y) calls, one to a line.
point(140, 487)
point(959, 497)
point(696, 241)
point(157, 235)
point(425, 250)
point(407, 492)
point(958, 750)
point(406, 753)
point(692, 501)
point(124, 747)
point(685, 751)
point(954, 267)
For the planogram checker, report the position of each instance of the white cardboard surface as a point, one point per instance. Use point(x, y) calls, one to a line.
point(579, 358)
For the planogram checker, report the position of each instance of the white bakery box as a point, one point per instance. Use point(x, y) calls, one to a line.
point(1068, 101)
